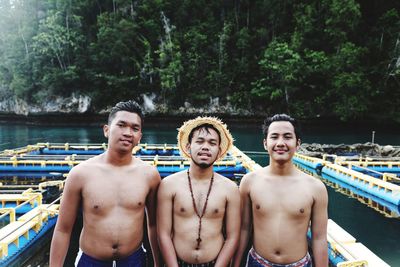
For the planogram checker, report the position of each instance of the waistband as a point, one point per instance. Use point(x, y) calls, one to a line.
point(137, 255)
point(182, 263)
point(263, 262)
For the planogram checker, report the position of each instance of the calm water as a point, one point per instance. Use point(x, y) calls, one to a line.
point(378, 233)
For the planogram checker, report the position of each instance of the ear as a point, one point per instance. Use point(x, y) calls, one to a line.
point(298, 144)
point(187, 148)
point(219, 151)
point(265, 143)
point(140, 138)
point(106, 128)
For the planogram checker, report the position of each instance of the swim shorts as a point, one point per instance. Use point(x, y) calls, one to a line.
point(181, 263)
point(136, 259)
point(255, 260)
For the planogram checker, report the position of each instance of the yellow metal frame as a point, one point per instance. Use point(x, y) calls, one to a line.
point(371, 181)
point(32, 220)
point(358, 263)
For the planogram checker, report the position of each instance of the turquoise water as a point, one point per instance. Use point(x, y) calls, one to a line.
point(378, 233)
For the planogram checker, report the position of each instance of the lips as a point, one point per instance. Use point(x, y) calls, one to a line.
point(126, 141)
point(204, 155)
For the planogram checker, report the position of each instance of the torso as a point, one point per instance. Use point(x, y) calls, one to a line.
point(113, 201)
point(186, 222)
point(281, 208)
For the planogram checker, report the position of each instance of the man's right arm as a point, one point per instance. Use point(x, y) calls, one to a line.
point(68, 209)
point(164, 223)
point(246, 225)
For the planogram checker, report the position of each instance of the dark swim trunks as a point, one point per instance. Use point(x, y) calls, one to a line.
point(181, 263)
point(136, 259)
point(255, 260)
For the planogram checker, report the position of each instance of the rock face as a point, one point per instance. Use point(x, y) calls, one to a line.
point(77, 103)
point(354, 150)
point(53, 104)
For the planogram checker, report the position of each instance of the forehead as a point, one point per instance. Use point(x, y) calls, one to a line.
point(205, 133)
point(128, 117)
point(280, 127)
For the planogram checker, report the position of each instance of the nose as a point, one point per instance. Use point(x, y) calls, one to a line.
point(205, 146)
point(128, 131)
point(280, 142)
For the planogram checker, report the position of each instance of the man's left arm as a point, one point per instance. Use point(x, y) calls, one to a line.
point(232, 226)
point(319, 221)
point(151, 208)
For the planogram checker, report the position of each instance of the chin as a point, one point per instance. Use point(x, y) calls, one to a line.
point(125, 150)
point(281, 160)
point(203, 165)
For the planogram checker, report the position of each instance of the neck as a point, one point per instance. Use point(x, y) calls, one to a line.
point(118, 159)
point(279, 168)
point(200, 173)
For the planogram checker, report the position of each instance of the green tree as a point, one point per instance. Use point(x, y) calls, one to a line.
point(170, 61)
point(281, 74)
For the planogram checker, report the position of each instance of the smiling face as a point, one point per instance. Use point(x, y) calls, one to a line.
point(281, 142)
point(204, 147)
point(124, 132)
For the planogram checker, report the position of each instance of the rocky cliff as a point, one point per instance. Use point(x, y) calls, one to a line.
point(52, 104)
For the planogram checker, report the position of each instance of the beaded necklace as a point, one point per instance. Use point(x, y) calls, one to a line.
point(204, 207)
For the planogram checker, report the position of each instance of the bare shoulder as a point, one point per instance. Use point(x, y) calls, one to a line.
point(172, 182)
point(227, 183)
point(84, 168)
point(249, 178)
point(175, 178)
point(147, 170)
point(316, 184)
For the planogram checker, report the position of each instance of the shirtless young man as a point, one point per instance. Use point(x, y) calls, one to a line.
point(114, 190)
point(198, 214)
point(279, 202)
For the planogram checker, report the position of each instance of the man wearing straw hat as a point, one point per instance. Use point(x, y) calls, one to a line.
point(198, 214)
point(280, 202)
point(115, 190)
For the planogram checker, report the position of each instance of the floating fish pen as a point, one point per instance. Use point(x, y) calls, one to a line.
point(380, 191)
point(386, 170)
point(48, 162)
point(371, 185)
point(24, 229)
point(344, 250)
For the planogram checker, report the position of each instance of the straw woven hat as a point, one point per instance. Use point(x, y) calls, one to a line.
point(184, 131)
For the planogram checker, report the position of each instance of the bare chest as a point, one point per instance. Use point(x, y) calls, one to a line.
point(290, 201)
point(212, 206)
point(104, 193)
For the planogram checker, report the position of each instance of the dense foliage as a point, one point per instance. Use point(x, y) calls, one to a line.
point(329, 58)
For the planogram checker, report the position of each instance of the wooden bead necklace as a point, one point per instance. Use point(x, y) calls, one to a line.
point(204, 207)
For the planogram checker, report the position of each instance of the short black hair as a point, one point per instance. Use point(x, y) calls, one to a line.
point(281, 117)
point(130, 106)
point(206, 127)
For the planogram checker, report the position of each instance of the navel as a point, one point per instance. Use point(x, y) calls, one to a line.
point(216, 211)
point(96, 207)
point(115, 246)
point(277, 252)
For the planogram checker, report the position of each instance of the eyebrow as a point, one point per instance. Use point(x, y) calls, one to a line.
point(128, 123)
point(287, 133)
point(202, 139)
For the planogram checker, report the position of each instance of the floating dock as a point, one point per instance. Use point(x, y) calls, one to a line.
point(380, 191)
point(19, 235)
point(345, 251)
point(47, 161)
